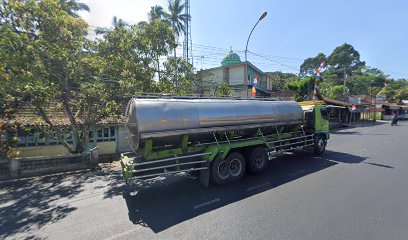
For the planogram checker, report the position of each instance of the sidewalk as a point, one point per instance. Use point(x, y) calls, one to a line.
point(102, 167)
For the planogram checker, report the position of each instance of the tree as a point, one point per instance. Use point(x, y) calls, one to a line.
point(73, 6)
point(402, 94)
point(330, 90)
point(159, 39)
point(395, 90)
point(300, 87)
point(48, 58)
point(117, 23)
point(181, 84)
point(222, 90)
point(281, 80)
point(343, 67)
point(310, 65)
point(130, 54)
point(177, 18)
point(157, 13)
point(345, 60)
point(360, 82)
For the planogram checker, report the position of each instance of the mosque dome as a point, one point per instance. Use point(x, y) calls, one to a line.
point(230, 59)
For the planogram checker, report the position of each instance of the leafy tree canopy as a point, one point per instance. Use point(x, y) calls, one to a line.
point(345, 60)
point(310, 65)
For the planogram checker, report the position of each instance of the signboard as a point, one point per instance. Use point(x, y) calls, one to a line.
point(354, 100)
point(380, 97)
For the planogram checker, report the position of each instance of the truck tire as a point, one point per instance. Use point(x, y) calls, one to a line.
point(319, 145)
point(258, 160)
point(220, 171)
point(236, 163)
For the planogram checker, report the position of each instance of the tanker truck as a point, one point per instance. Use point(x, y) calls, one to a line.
point(217, 139)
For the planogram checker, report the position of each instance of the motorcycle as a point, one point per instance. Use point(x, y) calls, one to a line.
point(394, 121)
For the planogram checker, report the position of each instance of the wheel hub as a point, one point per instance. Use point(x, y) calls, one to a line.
point(235, 167)
point(320, 144)
point(223, 170)
point(259, 161)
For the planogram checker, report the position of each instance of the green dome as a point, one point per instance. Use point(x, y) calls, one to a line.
point(230, 59)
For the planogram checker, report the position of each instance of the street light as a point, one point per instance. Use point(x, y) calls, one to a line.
point(260, 18)
point(246, 47)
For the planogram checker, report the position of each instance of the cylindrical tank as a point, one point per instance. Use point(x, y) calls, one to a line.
point(169, 116)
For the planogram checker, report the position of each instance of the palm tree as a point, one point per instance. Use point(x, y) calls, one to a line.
point(72, 7)
point(157, 12)
point(116, 23)
point(177, 18)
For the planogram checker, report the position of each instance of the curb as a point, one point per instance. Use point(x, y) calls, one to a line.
point(17, 180)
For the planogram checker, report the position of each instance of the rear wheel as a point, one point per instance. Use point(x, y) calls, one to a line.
point(220, 171)
point(320, 145)
point(236, 163)
point(258, 160)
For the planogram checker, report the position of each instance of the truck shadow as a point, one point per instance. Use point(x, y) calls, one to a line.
point(159, 206)
point(343, 157)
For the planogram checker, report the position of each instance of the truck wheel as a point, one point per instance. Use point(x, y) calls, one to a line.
point(220, 171)
point(236, 163)
point(320, 145)
point(258, 160)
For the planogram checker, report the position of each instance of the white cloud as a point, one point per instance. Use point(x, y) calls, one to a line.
point(131, 11)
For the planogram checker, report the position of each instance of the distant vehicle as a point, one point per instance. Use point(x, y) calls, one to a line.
point(394, 121)
point(220, 139)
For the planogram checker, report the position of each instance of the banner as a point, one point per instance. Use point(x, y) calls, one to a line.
point(255, 82)
point(318, 71)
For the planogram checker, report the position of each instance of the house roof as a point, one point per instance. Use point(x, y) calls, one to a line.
point(337, 103)
point(284, 95)
point(27, 115)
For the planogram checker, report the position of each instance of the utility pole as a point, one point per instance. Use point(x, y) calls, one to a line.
point(344, 82)
point(375, 108)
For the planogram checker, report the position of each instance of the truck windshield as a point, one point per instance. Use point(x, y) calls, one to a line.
point(323, 112)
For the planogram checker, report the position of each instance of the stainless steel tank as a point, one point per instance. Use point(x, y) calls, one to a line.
point(174, 117)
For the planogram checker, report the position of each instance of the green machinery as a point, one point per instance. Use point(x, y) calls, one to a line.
point(219, 153)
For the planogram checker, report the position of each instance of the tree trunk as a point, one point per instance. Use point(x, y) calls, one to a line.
point(78, 145)
point(158, 66)
point(57, 131)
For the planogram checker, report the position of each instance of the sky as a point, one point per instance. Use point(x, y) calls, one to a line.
point(292, 31)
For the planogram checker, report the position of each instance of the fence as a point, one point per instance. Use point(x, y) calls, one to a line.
point(34, 166)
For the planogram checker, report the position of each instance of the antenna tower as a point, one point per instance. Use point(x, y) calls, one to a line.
point(188, 43)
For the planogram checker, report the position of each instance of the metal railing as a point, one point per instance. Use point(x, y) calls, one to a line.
point(197, 96)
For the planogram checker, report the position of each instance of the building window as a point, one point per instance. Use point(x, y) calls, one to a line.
point(105, 134)
point(35, 137)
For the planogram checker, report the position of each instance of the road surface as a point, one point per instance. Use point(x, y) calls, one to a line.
point(358, 190)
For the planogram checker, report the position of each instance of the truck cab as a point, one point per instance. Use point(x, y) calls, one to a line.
point(317, 122)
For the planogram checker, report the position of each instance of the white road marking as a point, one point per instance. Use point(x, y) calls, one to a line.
point(362, 150)
point(122, 234)
point(206, 203)
point(256, 187)
point(297, 173)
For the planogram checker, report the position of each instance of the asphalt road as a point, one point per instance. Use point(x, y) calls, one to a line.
point(358, 190)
